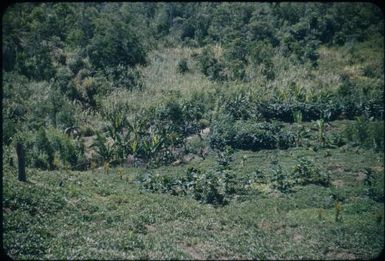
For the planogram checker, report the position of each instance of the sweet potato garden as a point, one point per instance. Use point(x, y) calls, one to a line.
point(193, 131)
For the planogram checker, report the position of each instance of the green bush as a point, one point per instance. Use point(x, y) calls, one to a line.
point(219, 186)
point(249, 135)
point(306, 172)
point(365, 133)
point(87, 131)
point(374, 185)
point(225, 157)
point(114, 44)
point(75, 62)
point(104, 150)
point(45, 151)
point(280, 179)
point(210, 187)
point(63, 77)
point(289, 112)
point(211, 66)
point(335, 139)
point(70, 152)
point(182, 66)
point(125, 77)
point(52, 149)
point(240, 107)
point(195, 145)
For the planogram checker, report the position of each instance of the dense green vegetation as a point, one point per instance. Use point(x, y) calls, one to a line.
point(206, 130)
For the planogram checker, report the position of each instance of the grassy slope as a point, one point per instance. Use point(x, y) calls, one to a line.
point(162, 81)
point(99, 216)
point(95, 215)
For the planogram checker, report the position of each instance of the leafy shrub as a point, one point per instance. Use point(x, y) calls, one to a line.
point(306, 172)
point(331, 110)
point(219, 186)
point(195, 145)
point(210, 187)
point(87, 131)
point(52, 149)
point(255, 136)
point(195, 109)
point(125, 77)
point(115, 44)
point(103, 148)
point(225, 157)
point(374, 185)
point(88, 89)
point(249, 135)
point(44, 153)
point(365, 133)
point(182, 66)
point(171, 111)
point(71, 152)
point(280, 179)
point(261, 52)
point(75, 62)
point(240, 107)
point(65, 117)
point(181, 117)
point(290, 112)
point(211, 66)
point(335, 139)
point(63, 77)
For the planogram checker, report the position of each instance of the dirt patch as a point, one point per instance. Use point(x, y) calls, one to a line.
point(227, 258)
point(338, 183)
point(378, 168)
point(275, 194)
point(194, 252)
point(297, 237)
point(335, 168)
point(264, 225)
point(340, 255)
point(361, 176)
point(150, 228)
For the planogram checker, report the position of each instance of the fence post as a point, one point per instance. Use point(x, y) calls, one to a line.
point(21, 162)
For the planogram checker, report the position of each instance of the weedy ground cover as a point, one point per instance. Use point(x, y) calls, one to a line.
point(75, 215)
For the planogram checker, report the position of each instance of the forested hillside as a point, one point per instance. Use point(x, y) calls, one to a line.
point(204, 104)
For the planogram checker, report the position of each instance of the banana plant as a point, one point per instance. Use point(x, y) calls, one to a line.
point(134, 146)
point(122, 144)
point(116, 115)
point(152, 145)
point(102, 148)
point(136, 132)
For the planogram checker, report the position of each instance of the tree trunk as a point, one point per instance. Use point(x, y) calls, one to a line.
point(21, 162)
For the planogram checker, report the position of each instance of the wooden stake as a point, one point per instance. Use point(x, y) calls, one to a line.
point(21, 162)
